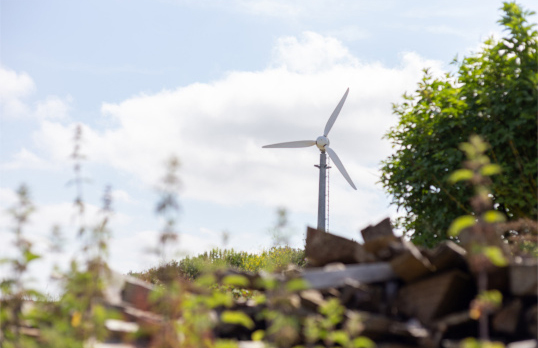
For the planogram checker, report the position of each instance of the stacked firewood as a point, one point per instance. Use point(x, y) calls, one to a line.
point(405, 296)
point(389, 290)
point(413, 287)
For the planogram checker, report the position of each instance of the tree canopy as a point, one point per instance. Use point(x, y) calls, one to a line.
point(493, 94)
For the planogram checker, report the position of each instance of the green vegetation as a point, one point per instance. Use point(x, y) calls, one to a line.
point(190, 268)
point(494, 94)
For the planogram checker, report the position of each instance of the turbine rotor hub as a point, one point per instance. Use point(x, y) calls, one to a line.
point(321, 142)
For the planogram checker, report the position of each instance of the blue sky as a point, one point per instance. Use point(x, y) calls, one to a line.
point(212, 82)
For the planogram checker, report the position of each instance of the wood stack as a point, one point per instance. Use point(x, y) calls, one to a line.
point(413, 297)
point(394, 293)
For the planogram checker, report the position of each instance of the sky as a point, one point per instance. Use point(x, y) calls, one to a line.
point(211, 82)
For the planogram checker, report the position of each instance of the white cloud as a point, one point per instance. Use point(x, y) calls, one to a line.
point(217, 129)
point(25, 159)
point(122, 196)
point(13, 90)
point(311, 53)
point(8, 197)
point(16, 88)
point(53, 107)
point(133, 252)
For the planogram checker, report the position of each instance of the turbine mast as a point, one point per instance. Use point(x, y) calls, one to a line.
point(322, 190)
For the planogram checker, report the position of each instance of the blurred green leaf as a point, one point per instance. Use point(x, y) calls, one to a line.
point(493, 296)
point(495, 255)
point(237, 318)
point(468, 149)
point(340, 337)
point(258, 335)
point(4, 260)
point(461, 174)
point(266, 283)
point(206, 280)
point(236, 280)
point(363, 342)
point(226, 344)
point(259, 299)
point(492, 216)
point(461, 223)
point(297, 284)
point(490, 169)
point(29, 256)
point(218, 299)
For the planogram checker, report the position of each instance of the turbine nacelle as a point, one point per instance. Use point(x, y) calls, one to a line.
point(321, 142)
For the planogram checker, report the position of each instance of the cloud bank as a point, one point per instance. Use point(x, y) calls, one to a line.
point(217, 129)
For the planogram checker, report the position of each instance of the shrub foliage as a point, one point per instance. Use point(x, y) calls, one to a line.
point(190, 268)
point(493, 94)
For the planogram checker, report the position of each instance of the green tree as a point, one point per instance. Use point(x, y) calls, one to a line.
point(494, 94)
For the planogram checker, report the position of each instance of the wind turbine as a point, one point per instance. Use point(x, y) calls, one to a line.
point(322, 142)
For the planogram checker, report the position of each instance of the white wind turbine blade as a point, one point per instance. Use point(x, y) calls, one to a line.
point(335, 114)
point(339, 165)
point(291, 144)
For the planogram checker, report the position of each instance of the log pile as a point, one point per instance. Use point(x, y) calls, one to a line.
point(405, 296)
point(394, 293)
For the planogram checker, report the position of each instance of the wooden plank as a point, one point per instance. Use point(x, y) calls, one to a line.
point(436, 296)
point(382, 229)
point(323, 248)
point(364, 273)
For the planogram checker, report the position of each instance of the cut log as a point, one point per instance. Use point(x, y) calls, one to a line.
point(322, 248)
point(312, 299)
point(366, 273)
point(448, 255)
point(411, 264)
point(382, 229)
point(523, 279)
point(436, 296)
point(507, 319)
point(355, 295)
point(384, 248)
point(136, 293)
